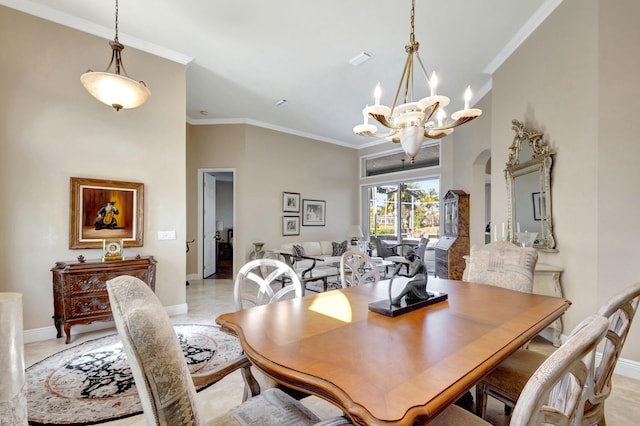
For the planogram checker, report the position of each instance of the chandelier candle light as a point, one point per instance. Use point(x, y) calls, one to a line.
point(113, 88)
point(409, 123)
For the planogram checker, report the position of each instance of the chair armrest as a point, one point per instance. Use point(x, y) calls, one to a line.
point(251, 385)
point(395, 246)
point(312, 265)
point(203, 379)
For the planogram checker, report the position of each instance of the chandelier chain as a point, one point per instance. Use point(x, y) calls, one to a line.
point(116, 39)
point(412, 37)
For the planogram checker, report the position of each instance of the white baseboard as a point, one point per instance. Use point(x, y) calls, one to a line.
point(46, 333)
point(194, 277)
point(624, 367)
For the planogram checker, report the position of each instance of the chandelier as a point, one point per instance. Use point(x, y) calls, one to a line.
point(410, 122)
point(112, 88)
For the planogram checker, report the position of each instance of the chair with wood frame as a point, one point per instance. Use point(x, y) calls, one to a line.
point(163, 381)
point(556, 392)
point(506, 382)
point(390, 252)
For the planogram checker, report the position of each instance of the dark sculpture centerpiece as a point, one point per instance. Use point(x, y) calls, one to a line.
point(413, 296)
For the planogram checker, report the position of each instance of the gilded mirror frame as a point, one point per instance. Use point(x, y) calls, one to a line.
point(536, 158)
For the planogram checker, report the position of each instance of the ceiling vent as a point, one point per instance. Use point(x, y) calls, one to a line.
point(360, 58)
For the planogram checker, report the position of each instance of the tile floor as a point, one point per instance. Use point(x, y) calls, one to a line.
point(209, 298)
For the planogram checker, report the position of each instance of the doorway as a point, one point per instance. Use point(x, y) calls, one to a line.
point(480, 202)
point(216, 219)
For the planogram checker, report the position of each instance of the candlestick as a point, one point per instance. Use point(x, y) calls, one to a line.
point(433, 83)
point(377, 93)
point(467, 97)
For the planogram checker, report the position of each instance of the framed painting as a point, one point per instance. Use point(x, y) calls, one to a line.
point(290, 225)
point(105, 210)
point(313, 212)
point(291, 202)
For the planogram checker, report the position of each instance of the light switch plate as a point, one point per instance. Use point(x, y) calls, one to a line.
point(166, 235)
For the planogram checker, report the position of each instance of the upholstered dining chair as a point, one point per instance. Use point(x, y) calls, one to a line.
point(390, 252)
point(356, 267)
point(166, 388)
point(556, 392)
point(502, 264)
point(257, 281)
point(506, 382)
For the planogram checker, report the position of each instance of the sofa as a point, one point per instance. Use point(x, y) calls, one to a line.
point(327, 252)
point(314, 260)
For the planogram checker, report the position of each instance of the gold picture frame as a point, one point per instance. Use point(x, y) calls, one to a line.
point(105, 210)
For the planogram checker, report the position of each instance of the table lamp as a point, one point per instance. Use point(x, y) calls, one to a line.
point(355, 233)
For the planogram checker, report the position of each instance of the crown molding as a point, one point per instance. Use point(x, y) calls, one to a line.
point(529, 27)
point(214, 121)
point(88, 27)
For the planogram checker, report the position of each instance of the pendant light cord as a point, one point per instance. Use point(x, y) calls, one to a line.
point(116, 39)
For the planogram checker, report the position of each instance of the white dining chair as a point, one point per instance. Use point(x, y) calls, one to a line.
point(506, 382)
point(356, 267)
point(264, 281)
point(556, 392)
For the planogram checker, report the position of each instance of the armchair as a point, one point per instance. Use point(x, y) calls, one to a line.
point(390, 252)
point(161, 375)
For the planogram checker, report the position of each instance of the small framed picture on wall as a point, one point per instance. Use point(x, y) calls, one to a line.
point(291, 202)
point(313, 212)
point(290, 225)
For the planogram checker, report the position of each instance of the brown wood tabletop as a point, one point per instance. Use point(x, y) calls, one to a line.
point(390, 371)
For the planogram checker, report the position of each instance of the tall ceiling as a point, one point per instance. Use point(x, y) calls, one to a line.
point(244, 56)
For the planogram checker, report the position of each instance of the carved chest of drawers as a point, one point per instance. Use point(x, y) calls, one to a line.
point(80, 289)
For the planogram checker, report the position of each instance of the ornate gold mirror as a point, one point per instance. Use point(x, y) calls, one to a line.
point(528, 175)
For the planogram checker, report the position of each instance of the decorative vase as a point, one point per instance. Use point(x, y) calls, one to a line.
point(257, 252)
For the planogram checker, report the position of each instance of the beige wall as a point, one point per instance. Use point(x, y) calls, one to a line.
point(267, 163)
point(53, 129)
point(575, 79)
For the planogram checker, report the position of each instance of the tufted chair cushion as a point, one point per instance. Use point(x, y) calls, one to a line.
point(502, 264)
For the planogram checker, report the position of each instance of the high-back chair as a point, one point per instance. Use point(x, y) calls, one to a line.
point(506, 382)
point(502, 264)
point(160, 371)
point(556, 392)
point(356, 268)
point(263, 281)
point(391, 252)
point(620, 309)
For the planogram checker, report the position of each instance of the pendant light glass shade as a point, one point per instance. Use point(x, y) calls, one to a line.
point(113, 88)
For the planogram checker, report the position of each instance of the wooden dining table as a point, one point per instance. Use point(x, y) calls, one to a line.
point(383, 370)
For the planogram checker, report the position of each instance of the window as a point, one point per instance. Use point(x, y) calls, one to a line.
point(404, 210)
point(428, 156)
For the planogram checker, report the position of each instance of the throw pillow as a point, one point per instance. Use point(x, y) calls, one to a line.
point(298, 250)
point(338, 248)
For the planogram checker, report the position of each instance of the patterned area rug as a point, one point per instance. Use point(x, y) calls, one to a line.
point(92, 383)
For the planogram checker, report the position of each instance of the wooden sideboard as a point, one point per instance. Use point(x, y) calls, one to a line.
point(80, 289)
